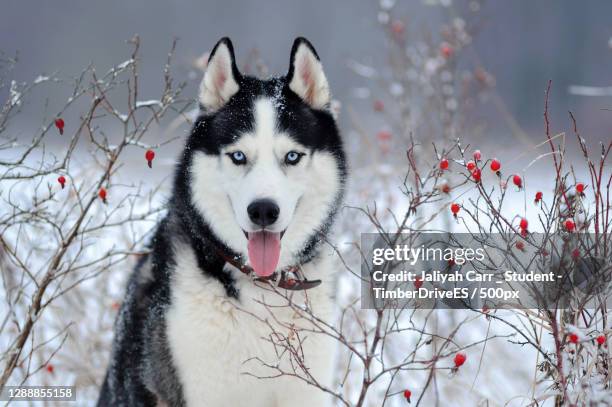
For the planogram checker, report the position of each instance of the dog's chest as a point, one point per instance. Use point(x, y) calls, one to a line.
point(219, 343)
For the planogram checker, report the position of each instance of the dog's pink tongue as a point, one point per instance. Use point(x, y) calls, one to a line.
point(264, 251)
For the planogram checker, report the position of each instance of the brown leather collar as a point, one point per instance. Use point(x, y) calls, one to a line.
point(295, 283)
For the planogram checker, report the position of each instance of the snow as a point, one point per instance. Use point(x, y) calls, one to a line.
point(14, 95)
point(362, 70)
point(387, 4)
point(125, 64)
point(148, 103)
point(41, 79)
point(118, 68)
point(581, 90)
point(396, 89)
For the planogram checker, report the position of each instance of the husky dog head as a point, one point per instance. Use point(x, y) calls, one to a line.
point(263, 170)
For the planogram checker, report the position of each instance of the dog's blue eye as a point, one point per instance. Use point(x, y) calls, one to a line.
point(238, 157)
point(293, 157)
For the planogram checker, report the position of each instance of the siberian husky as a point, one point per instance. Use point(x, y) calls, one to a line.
point(255, 193)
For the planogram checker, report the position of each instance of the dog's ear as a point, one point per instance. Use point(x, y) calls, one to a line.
point(306, 77)
point(221, 78)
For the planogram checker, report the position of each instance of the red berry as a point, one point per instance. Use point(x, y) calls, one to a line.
point(601, 339)
point(418, 282)
point(149, 156)
point(460, 359)
point(524, 223)
point(378, 106)
point(520, 245)
point(407, 395)
point(580, 188)
point(570, 225)
point(573, 338)
point(576, 254)
point(538, 197)
point(495, 165)
point(518, 181)
point(477, 155)
point(59, 123)
point(446, 50)
point(49, 368)
point(383, 135)
point(445, 188)
point(455, 209)
point(444, 164)
point(102, 194)
point(62, 181)
point(398, 27)
point(476, 174)
point(471, 165)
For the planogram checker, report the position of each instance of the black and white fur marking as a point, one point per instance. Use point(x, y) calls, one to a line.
point(181, 337)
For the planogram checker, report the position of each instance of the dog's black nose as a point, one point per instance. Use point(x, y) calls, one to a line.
point(263, 212)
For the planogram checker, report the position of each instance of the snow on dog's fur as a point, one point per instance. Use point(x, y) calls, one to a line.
point(260, 180)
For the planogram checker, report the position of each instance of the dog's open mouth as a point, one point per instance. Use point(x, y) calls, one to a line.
point(264, 251)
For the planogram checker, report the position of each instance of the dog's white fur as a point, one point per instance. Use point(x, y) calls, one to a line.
point(214, 338)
